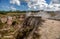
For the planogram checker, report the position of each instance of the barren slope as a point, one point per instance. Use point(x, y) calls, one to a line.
point(50, 29)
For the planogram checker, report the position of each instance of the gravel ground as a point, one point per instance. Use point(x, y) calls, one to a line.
point(50, 29)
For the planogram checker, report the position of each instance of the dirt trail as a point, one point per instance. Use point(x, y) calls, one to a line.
point(50, 29)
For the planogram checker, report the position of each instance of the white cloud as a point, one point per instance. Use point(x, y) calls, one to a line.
point(9, 8)
point(12, 8)
point(15, 2)
point(42, 5)
point(54, 5)
point(34, 3)
point(55, 1)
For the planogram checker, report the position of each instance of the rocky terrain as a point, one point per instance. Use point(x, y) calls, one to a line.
point(11, 26)
point(49, 29)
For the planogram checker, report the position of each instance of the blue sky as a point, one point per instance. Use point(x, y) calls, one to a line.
point(5, 4)
point(48, 1)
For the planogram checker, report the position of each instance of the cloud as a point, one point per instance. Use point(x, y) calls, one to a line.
point(9, 8)
point(4, 7)
point(42, 5)
point(54, 5)
point(15, 2)
point(39, 5)
point(55, 1)
point(13, 8)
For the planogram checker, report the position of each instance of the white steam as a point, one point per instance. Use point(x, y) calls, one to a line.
point(42, 14)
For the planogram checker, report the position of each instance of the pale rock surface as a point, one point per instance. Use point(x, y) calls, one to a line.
point(50, 29)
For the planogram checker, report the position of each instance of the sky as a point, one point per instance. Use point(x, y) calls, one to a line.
point(25, 5)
